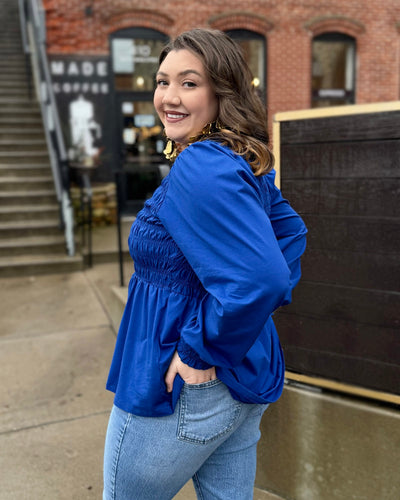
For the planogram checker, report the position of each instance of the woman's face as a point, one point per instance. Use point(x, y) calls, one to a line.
point(184, 99)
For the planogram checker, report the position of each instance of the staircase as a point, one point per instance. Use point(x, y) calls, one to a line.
point(31, 240)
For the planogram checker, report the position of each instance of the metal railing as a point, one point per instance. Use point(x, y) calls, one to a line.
point(33, 32)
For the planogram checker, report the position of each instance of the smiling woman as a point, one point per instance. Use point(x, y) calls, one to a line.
point(217, 250)
point(184, 98)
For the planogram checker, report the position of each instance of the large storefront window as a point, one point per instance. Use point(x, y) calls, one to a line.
point(253, 46)
point(139, 132)
point(333, 70)
point(135, 62)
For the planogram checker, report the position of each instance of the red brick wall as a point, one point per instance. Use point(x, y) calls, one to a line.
point(288, 25)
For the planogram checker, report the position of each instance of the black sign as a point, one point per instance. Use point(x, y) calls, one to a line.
point(82, 88)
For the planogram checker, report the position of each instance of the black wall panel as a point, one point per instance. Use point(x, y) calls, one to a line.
point(342, 174)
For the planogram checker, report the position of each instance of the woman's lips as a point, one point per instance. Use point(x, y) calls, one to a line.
point(174, 117)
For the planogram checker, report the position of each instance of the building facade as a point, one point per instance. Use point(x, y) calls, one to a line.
point(303, 54)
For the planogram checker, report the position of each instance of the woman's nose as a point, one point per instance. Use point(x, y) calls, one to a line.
point(171, 97)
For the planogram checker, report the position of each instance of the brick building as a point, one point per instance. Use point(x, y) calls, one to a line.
point(303, 53)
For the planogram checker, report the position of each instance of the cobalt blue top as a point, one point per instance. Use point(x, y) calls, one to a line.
point(216, 252)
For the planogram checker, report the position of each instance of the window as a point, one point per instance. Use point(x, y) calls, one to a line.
point(135, 58)
point(333, 70)
point(253, 46)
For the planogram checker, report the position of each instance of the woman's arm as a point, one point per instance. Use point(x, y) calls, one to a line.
point(213, 211)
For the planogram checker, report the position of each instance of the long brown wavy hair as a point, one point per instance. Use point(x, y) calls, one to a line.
point(242, 123)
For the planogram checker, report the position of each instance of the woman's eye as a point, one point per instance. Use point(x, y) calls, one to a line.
point(161, 83)
point(189, 84)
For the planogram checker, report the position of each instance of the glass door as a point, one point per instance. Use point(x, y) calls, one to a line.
point(142, 132)
point(142, 143)
point(140, 140)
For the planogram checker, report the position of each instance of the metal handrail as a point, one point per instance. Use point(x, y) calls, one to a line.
point(33, 32)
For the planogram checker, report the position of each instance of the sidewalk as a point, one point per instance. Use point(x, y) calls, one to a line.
point(56, 342)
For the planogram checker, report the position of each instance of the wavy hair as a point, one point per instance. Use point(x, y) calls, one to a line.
point(242, 122)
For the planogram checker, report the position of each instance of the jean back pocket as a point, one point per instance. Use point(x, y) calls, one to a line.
point(206, 412)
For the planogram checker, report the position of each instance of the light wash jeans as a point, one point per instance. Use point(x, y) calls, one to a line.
point(210, 438)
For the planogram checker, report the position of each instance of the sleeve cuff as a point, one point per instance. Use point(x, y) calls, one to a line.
point(190, 357)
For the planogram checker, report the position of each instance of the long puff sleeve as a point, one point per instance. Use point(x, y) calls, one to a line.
point(290, 232)
point(214, 211)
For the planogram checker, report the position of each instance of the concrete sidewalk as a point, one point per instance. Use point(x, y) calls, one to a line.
point(57, 340)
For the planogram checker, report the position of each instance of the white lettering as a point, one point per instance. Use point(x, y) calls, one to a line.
point(87, 68)
point(332, 93)
point(57, 67)
point(145, 59)
point(102, 68)
point(77, 87)
point(84, 68)
point(73, 69)
point(142, 50)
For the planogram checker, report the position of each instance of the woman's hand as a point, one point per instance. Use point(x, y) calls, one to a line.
point(189, 375)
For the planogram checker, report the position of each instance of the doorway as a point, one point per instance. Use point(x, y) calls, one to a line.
point(139, 138)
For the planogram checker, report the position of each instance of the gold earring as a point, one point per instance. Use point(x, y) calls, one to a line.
point(212, 127)
point(170, 151)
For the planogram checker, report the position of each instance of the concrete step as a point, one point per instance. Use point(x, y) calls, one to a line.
point(13, 34)
point(22, 134)
point(12, 17)
point(11, 46)
point(20, 58)
point(13, 72)
point(27, 183)
point(19, 102)
point(15, 64)
point(32, 120)
point(29, 213)
point(23, 156)
point(20, 229)
point(11, 27)
point(12, 198)
point(11, 50)
point(25, 170)
point(15, 91)
point(39, 264)
point(23, 145)
point(33, 245)
point(19, 83)
point(16, 114)
point(10, 42)
point(16, 73)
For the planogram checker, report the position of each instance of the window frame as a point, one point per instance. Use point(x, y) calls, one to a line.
point(349, 95)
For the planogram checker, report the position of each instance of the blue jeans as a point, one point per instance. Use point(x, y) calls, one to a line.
point(210, 438)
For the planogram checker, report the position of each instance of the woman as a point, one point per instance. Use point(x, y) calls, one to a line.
point(216, 252)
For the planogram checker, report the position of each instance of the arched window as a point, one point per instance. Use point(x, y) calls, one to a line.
point(135, 58)
point(333, 69)
point(254, 48)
